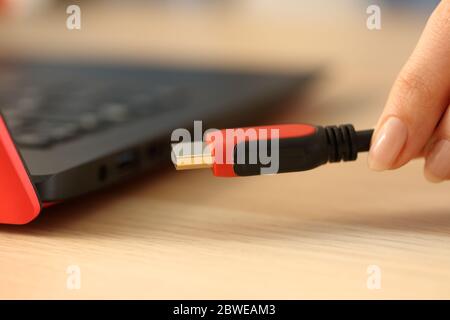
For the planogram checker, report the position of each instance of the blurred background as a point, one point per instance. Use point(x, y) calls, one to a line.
point(208, 31)
point(289, 35)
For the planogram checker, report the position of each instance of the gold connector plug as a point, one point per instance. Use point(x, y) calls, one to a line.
point(195, 155)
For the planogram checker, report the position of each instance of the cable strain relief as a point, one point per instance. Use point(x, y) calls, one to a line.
point(342, 143)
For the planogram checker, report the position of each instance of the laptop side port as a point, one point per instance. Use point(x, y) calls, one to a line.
point(154, 151)
point(102, 173)
point(127, 160)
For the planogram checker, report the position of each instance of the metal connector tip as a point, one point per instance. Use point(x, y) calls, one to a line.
point(187, 156)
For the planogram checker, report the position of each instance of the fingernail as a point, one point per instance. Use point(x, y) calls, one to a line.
point(387, 145)
point(437, 164)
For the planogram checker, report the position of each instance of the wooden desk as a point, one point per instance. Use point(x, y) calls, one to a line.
point(187, 235)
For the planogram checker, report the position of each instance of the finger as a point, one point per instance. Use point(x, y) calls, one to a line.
point(418, 98)
point(437, 163)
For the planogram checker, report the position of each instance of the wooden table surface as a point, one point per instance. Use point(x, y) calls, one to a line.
point(188, 235)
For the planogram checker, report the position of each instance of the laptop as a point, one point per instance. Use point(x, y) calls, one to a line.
point(80, 127)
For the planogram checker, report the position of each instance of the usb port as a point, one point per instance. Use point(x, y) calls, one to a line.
point(127, 160)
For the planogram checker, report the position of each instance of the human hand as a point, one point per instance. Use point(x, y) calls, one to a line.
point(416, 119)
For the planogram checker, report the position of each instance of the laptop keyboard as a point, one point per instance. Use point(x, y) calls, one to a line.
point(45, 115)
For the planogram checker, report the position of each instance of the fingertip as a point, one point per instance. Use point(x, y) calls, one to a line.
point(387, 144)
point(437, 162)
point(432, 178)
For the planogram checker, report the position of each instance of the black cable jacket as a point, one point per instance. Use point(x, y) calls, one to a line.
point(363, 139)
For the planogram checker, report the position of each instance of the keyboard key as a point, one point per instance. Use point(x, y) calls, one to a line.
point(89, 121)
point(32, 139)
point(15, 124)
point(63, 131)
point(114, 112)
